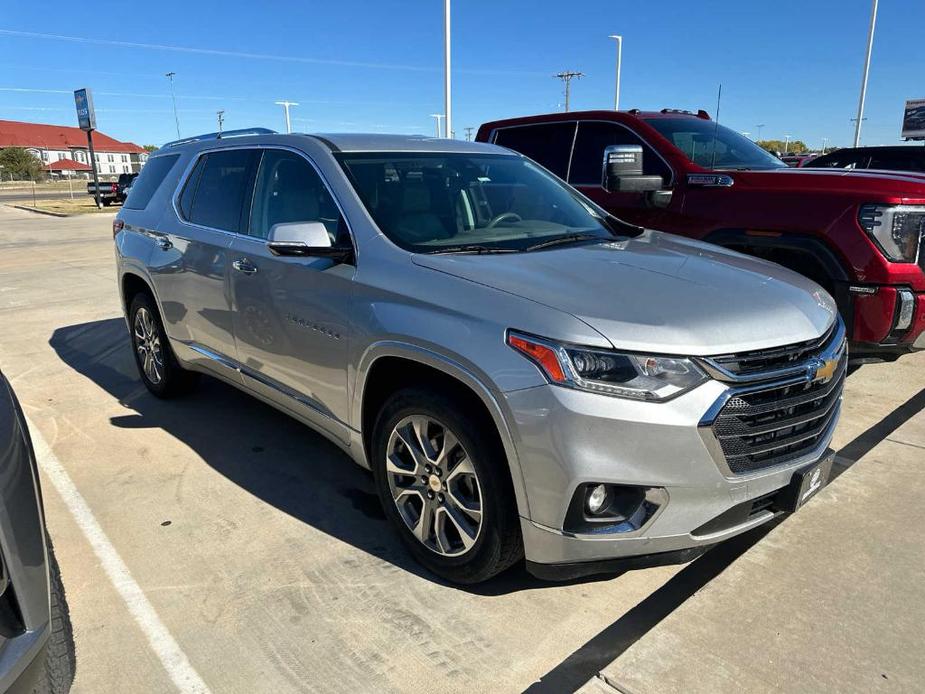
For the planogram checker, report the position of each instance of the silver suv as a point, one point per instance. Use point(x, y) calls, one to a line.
point(524, 374)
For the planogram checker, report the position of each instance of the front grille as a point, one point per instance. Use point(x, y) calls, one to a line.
point(765, 360)
point(764, 427)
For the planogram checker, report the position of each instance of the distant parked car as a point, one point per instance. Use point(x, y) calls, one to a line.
point(114, 191)
point(796, 161)
point(36, 644)
point(898, 158)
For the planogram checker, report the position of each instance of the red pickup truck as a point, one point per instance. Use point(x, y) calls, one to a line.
point(856, 233)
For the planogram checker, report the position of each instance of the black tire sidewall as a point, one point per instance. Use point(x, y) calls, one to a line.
point(486, 557)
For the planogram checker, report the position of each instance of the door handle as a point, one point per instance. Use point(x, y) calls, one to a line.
point(245, 266)
point(163, 243)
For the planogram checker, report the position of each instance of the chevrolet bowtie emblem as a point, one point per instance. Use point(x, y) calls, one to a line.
point(825, 370)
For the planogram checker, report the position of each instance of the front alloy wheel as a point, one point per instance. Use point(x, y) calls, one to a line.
point(434, 485)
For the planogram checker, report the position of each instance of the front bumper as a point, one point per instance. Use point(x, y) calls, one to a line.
point(877, 333)
point(567, 438)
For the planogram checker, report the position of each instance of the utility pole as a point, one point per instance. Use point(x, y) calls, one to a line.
point(173, 96)
point(870, 48)
point(759, 126)
point(469, 134)
point(447, 102)
point(437, 118)
point(616, 95)
point(286, 105)
point(567, 77)
point(221, 119)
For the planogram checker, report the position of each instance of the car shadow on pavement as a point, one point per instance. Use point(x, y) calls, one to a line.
point(266, 452)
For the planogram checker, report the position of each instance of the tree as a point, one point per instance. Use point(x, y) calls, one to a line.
point(149, 148)
point(795, 146)
point(21, 163)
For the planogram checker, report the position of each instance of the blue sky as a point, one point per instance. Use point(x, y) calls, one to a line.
point(377, 66)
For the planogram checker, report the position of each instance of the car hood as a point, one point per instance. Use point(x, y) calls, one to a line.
point(658, 293)
point(908, 185)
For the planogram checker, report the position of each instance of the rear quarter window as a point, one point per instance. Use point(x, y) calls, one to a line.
point(548, 144)
point(149, 180)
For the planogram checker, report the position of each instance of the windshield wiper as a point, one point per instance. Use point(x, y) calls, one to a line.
point(560, 240)
point(471, 248)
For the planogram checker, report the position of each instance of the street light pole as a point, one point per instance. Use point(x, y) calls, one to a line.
point(286, 105)
point(787, 144)
point(870, 48)
point(447, 101)
point(437, 118)
point(825, 141)
point(173, 96)
point(616, 95)
point(759, 126)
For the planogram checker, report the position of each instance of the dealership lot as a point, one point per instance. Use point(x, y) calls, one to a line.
point(264, 556)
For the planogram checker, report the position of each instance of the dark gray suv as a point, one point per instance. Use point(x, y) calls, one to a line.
point(36, 645)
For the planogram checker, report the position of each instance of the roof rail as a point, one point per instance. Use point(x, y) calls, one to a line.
point(220, 136)
point(700, 113)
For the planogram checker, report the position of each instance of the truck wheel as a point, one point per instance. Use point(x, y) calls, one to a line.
point(106, 203)
point(60, 658)
point(157, 365)
point(443, 482)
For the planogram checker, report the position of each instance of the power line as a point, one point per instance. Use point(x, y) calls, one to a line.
point(567, 77)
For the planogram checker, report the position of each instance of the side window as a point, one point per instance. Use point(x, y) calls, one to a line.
point(899, 161)
point(588, 159)
point(549, 144)
point(218, 189)
point(149, 180)
point(288, 189)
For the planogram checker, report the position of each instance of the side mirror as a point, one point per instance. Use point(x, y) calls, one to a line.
point(623, 171)
point(309, 239)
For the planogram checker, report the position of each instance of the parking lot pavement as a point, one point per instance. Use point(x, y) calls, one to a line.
point(267, 566)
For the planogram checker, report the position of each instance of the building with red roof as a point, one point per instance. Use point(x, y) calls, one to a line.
point(66, 165)
point(54, 143)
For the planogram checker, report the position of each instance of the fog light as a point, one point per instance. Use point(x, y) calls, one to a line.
point(597, 499)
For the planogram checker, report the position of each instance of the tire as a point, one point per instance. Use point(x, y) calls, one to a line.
point(60, 658)
point(106, 203)
point(162, 375)
point(476, 498)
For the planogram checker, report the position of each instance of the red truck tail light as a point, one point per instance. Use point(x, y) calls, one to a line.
point(117, 225)
point(115, 188)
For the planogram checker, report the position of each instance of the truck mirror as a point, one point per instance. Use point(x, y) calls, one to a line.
point(623, 171)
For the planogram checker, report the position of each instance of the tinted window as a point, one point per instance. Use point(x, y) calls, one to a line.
point(220, 191)
point(288, 189)
point(149, 180)
point(593, 137)
point(899, 160)
point(189, 190)
point(847, 159)
point(549, 145)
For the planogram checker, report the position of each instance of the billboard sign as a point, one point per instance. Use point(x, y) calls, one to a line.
point(914, 120)
point(86, 117)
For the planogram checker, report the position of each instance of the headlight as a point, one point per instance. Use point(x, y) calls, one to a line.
point(624, 375)
point(896, 229)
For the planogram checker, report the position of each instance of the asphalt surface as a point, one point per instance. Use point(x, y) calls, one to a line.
point(214, 544)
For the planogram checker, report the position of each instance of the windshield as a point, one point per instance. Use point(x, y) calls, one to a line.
point(433, 203)
point(695, 137)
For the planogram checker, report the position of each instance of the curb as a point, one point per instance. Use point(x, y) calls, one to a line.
point(49, 213)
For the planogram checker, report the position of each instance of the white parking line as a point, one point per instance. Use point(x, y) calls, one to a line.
point(162, 642)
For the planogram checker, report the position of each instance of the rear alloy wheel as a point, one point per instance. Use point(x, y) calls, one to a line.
point(444, 482)
point(157, 366)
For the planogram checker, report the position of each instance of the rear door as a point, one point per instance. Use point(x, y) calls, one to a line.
point(189, 264)
point(290, 314)
point(586, 173)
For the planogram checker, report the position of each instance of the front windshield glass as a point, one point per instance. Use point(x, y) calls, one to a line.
point(695, 137)
point(438, 203)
